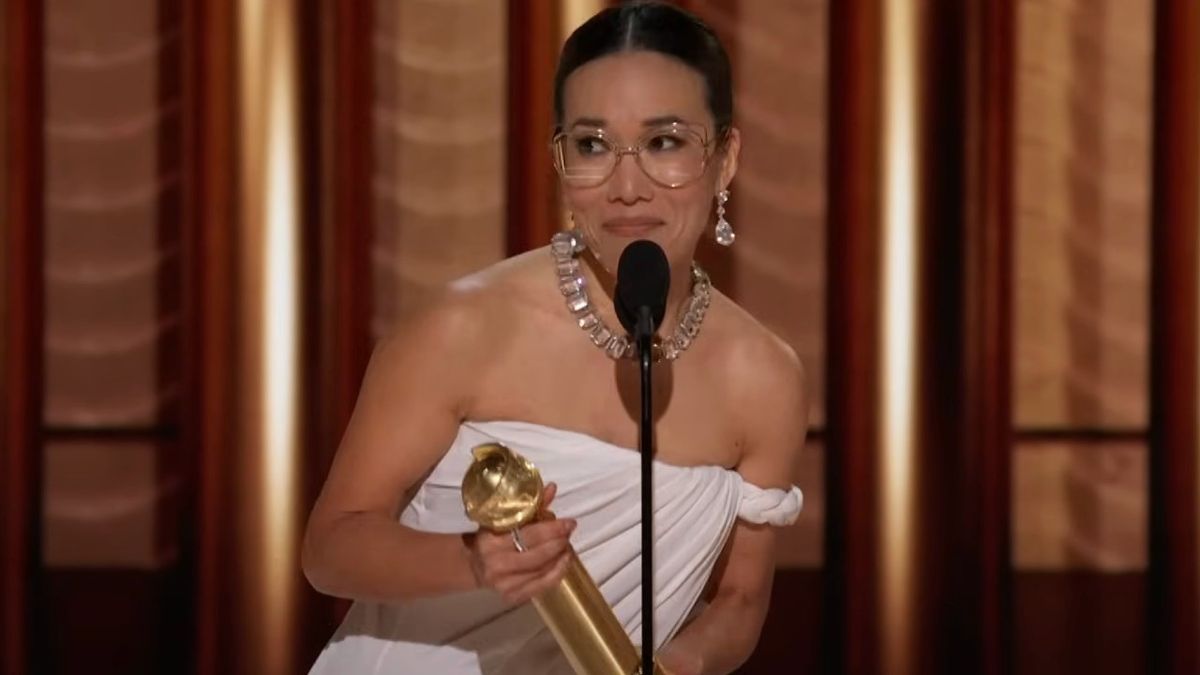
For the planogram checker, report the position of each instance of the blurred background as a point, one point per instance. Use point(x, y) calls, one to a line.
point(976, 222)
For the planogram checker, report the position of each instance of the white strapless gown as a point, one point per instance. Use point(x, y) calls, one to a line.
point(475, 633)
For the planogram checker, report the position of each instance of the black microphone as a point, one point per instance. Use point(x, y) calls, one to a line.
point(643, 279)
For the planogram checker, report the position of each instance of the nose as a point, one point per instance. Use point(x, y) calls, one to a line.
point(628, 183)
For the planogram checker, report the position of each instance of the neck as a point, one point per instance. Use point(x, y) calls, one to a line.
point(602, 289)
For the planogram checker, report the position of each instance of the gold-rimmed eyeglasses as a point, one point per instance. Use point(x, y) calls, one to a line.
point(672, 155)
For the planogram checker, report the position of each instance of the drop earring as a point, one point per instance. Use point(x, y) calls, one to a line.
point(725, 233)
point(578, 244)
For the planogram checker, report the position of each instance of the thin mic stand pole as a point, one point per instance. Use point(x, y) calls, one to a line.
point(646, 448)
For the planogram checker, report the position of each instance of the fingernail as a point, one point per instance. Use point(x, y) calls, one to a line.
point(571, 526)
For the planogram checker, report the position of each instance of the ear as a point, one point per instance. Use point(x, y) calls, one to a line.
point(729, 158)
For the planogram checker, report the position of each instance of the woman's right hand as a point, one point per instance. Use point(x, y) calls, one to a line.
point(521, 575)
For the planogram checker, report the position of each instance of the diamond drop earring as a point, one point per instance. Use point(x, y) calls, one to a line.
point(725, 233)
point(579, 245)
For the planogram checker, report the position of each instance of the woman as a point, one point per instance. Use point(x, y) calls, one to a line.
point(529, 353)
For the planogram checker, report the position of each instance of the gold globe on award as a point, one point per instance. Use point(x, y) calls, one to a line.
point(502, 491)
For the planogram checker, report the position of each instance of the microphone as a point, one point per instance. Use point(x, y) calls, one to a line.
point(643, 279)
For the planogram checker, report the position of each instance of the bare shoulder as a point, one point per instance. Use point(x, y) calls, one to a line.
point(464, 322)
point(758, 363)
point(450, 319)
point(476, 315)
point(768, 389)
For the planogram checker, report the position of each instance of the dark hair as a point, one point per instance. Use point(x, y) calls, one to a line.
point(655, 27)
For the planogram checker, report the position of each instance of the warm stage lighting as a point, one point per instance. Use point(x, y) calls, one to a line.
point(269, 343)
point(898, 336)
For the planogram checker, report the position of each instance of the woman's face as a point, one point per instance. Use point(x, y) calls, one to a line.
point(646, 97)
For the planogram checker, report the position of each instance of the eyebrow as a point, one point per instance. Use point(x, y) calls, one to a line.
point(659, 121)
point(588, 122)
point(663, 121)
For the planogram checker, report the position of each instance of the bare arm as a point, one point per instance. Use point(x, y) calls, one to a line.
point(416, 392)
point(724, 635)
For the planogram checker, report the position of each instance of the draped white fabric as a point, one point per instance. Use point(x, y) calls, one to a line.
point(474, 633)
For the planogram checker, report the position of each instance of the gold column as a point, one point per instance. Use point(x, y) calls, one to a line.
point(573, 13)
point(917, 332)
point(898, 190)
point(268, 334)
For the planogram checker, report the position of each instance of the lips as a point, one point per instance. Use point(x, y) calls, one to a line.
point(631, 226)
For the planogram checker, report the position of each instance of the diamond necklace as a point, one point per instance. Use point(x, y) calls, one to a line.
point(565, 247)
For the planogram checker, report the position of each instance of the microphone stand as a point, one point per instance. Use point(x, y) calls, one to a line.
point(645, 329)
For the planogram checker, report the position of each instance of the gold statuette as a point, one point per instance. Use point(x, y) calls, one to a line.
point(502, 491)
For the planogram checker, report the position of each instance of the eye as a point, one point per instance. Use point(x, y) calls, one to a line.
point(589, 145)
point(665, 143)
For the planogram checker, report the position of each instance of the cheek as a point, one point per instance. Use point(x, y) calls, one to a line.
point(583, 202)
point(689, 209)
point(693, 209)
point(587, 208)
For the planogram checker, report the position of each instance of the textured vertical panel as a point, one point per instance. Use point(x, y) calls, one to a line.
point(101, 502)
point(440, 146)
point(113, 253)
point(1083, 200)
point(1079, 506)
point(105, 186)
point(777, 199)
point(776, 269)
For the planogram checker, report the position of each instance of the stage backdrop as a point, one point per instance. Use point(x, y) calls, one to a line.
point(421, 156)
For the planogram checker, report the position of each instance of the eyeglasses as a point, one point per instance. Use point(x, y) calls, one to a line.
point(672, 155)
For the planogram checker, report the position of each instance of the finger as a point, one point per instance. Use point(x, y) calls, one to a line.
point(534, 586)
point(532, 560)
point(542, 531)
point(489, 543)
point(499, 561)
point(509, 570)
point(513, 585)
point(548, 494)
